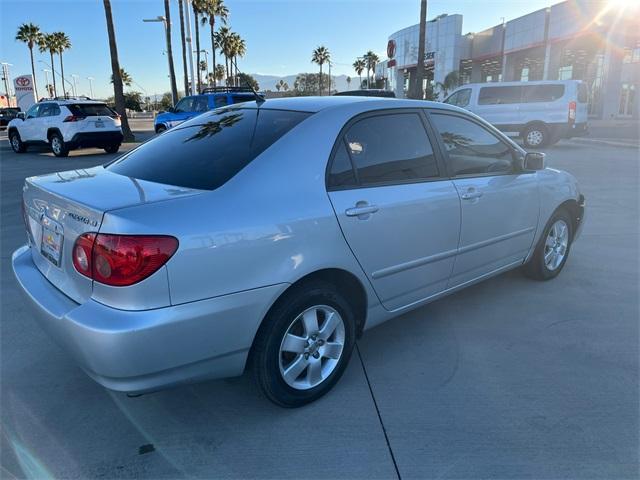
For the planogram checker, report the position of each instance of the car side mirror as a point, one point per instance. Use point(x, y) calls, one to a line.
point(534, 161)
point(21, 115)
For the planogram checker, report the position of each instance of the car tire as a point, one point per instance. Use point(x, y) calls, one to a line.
point(17, 144)
point(112, 148)
point(304, 344)
point(58, 146)
point(160, 129)
point(536, 136)
point(553, 248)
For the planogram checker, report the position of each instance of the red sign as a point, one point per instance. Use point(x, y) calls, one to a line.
point(391, 49)
point(23, 81)
point(391, 63)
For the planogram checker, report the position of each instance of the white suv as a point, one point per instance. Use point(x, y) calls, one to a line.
point(66, 125)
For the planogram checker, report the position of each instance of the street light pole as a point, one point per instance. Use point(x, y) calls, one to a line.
point(5, 77)
point(206, 61)
point(90, 86)
point(75, 87)
point(187, 6)
point(160, 18)
point(46, 81)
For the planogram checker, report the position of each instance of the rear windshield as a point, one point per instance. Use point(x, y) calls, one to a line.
point(206, 154)
point(90, 110)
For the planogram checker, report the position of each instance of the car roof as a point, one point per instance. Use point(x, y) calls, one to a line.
point(316, 104)
point(72, 101)
point(517, 84)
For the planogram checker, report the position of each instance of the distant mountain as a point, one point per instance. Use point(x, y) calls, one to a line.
point(268, 82)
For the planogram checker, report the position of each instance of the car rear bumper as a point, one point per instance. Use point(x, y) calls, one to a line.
point(569, 131)
point(140, 351)
point(95, 139)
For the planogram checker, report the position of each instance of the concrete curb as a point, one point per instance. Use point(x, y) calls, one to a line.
point(605, 141)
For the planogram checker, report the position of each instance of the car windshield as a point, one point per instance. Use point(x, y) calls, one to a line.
point(206, 154)
point(90, 109)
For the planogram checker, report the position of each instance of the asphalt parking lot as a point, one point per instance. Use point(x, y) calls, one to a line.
point(510, 378)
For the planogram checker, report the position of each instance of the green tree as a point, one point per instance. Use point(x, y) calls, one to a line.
point(223, 40)
point(307, 84)
point(49, 44)
point(115, 70)
point(244, 79)
point(451, 82)
point(348, 82)
point(238, 49)
point(210, 10)
point(219, 73)
point(63, 42)
point(359, 65)
point(371, 60)
point(172, 71)
point(126, 79)
point(321, 56)
point(133, 101)
point(31, 35)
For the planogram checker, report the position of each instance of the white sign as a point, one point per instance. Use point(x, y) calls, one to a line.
point(25, 96)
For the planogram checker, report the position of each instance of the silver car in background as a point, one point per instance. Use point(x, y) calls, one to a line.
point(272, 234)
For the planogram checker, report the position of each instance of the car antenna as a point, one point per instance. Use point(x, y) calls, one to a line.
point(259, 100)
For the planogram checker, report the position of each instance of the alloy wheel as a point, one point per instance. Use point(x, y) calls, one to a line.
point(311, 347)
point(56, 146)
point(534, 138)
point(556, 244)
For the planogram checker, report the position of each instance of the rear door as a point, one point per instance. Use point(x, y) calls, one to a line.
point(500, 106)
point(500, 205)
point(399, 215)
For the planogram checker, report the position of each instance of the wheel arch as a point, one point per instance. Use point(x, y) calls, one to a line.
point(575, 211)
point(12, 129)
point(534, 123)
point(51, 131)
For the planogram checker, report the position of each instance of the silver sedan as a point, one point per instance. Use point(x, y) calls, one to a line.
point(272, 234)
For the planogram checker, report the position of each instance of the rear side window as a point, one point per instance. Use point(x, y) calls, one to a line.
point(220, 101)
point(390, 148)
point(499, 95)
point(542, 93)
point(201, 104)
point(90, 110)
point(242, 98)
point(207, 154)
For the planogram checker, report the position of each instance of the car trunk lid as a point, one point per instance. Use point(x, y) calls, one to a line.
point(60, 207)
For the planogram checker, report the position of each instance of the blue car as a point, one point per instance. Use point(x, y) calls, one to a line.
point(193, 105)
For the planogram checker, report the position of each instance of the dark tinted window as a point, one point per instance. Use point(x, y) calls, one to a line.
point(90, 110)
point(472, 149)
point(341, 174)
point(391, 148)
point(206, 154)
point(201, 104)
point(33, 111)
point(242, 98)
point(184, 105)
point(45, 109)
point(460, 98)
point(542, 93)
point(499, 95)
point(220, 101)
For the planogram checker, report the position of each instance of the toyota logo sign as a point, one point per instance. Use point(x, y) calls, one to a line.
point(391, 49)
point(23, 81)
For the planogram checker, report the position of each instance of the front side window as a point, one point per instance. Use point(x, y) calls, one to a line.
point(32, 112)
point(45, 110)
point(389, 148)
point(206, 154)
point(463, 97)
point(499, 95)
point(184, 105)
point(472, 149)
point(201, 104)
point(452, 99)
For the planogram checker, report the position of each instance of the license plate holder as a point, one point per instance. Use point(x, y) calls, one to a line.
point(99, 124)
point(52, 239)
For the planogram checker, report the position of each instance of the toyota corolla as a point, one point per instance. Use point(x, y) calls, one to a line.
point(270, 235)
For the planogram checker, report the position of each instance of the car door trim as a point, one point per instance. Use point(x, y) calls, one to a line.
point(498, 239)
point(418, 262)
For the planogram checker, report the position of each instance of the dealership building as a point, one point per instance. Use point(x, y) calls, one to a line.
point(574, 40)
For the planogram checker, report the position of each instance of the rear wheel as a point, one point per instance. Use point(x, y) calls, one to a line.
point(160, 128)
point(536, 136)
point(58, 146)
point(16, 143)
point(553, 248)
point(304, 345)
point(112, 148)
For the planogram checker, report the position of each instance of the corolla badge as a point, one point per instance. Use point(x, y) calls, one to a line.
point(81, 219)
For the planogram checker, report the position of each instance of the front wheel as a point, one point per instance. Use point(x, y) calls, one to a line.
point(58, 146)
point(553, 248)
point(304, 345)
point(161, 128)
point(17, 144)
point(112, 148)
point(536, 136)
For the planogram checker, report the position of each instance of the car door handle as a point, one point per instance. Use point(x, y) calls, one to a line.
point(360, 210)
point(471, 194)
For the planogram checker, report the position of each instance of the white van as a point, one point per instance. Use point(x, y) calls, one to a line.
point(540, 113)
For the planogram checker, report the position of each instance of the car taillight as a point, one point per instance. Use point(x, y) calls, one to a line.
point(121, 260)
point(115, 116)
point(73, 118)
point(572, 112)
point(25, 217)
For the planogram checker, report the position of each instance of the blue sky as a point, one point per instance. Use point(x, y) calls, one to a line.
point(280, 34)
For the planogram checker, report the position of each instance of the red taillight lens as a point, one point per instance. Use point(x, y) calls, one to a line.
point(73, 118)
point(572, 112)
point(121, 260)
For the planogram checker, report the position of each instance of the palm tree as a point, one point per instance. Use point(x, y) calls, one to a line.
point(183, 41)
point(359, 65)
point(371, 60)
point(63, 43)
point(49, 44)
point(126, 79)
point(115, 69)
point(211, 10)
point(239, 49)
point(197, 6)
point(321, 56)
point(451, 81)
point(416, 91)
point(172, 71)
point(31, 35)
point(202, 68)
point(348, 82)
point(219, 73)
point(223, 43)
point(285, 86)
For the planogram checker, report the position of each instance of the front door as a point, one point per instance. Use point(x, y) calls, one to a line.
point(29, 128)
point(400, 217)
point(500, 205)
